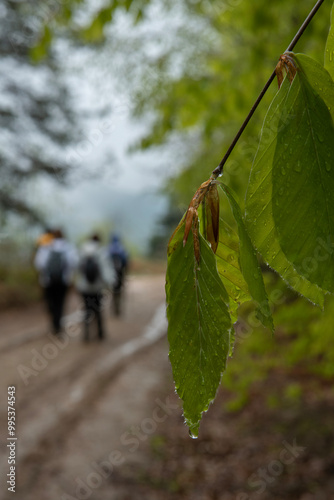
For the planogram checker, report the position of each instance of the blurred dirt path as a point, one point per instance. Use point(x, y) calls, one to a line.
point(64, 388)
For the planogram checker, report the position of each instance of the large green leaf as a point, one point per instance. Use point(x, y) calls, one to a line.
point(329, 51)
point(198, 325)
point(303, 180)
point(249, 265)
point(319, 78)
point(259, 216)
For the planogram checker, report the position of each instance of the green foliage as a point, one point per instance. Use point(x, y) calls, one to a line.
point(203, 97)
point(259, 216)
point(310, 336)
point(92, 30)
point(289, 217)
point(250, 267)
point(302, 177)
point(329, 51)
point(200, 307)
point(199, 325)
point(40, 51)
point(227, 257)
point(221, 73)
point(302, 347)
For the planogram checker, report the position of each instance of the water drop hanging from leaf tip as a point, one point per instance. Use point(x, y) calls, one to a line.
point(192, 435)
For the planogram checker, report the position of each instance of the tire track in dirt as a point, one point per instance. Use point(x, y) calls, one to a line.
point(82, 394)
point(79, 372)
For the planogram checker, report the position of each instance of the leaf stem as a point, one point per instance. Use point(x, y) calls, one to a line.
point(219, 170)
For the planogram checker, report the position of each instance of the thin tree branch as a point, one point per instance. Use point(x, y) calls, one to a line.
point(219, 170)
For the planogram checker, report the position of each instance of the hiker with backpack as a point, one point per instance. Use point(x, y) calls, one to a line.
point(56, 262)
point(120, 261)
point(94, 275)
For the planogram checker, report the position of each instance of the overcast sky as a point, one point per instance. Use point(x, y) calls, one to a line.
point(109, 184)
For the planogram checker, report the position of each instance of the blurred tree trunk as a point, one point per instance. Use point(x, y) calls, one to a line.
point(36, 119)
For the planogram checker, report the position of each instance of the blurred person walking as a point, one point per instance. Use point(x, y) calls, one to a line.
point(56, 262)
point(120, 261)
point(94, 274)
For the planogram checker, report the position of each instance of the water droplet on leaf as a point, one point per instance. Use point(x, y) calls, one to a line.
point(193, 435)
point(298, 167)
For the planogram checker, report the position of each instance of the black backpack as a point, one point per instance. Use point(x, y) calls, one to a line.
point(91, 269)
point(55, 267)
point(118, 263)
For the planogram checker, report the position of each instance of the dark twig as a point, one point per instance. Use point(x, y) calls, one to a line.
point(219, 170)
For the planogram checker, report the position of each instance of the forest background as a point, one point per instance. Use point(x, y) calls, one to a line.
point(185, 75)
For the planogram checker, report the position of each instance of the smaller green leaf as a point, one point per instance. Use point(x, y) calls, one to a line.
point(198, 325)
point(227, 257)
point(249, 265)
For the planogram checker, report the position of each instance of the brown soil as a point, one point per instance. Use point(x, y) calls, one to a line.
point(127, 440)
